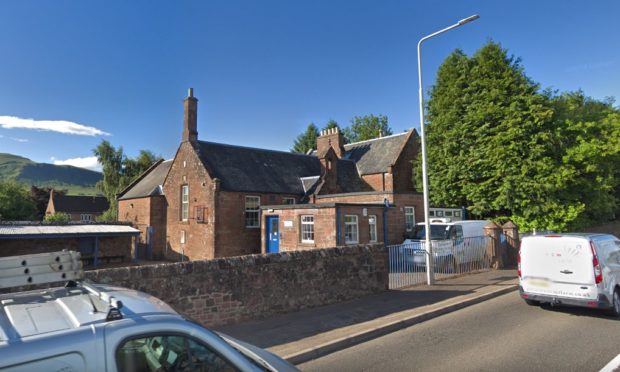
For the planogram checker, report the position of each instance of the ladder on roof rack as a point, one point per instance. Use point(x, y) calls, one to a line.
point(40, 268)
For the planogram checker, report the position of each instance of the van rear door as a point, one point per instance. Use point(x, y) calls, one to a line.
point(558, 266)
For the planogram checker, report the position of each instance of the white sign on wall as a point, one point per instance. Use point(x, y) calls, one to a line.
point(288, 223)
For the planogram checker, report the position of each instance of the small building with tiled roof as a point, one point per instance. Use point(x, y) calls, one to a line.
point(99, 243)
point(144, 205)
point(217, 200)
point(80, 208)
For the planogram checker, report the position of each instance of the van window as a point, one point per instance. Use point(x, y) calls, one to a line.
point(438, 232)
point(169, 353)
point(456, 232)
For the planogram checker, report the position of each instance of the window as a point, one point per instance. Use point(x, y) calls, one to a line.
point(448, 213)
point(439, 213)
point(86, 217)
point(252, 204)
point(457, 213)
point(169, 353)
point(184, 203)
point(307, 229)
point(183, 237)
point(431, 213)
point(350, 229)
point(288, 201)
point(372, 228)
point(409, 218)
point(199, 213)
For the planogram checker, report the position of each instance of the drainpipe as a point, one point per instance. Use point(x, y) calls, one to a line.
point(385, 221)
point(337, 225)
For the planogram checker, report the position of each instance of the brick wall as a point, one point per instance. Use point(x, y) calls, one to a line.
point(233, 237)
point(144, 212)
point(230, 290)
point(187, 169)
point(402, 170)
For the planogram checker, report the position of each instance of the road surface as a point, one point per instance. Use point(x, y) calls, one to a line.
point(502, 334)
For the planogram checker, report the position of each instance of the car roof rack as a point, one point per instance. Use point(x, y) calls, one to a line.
point(44, 268)
point(41, 268)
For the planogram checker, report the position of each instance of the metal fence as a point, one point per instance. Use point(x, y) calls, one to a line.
point(450, 258)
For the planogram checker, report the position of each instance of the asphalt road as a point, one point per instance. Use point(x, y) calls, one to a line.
point(502, 334)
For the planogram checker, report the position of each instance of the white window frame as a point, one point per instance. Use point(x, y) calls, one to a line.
point(183, 237)
point(409, 215)
point(286, 201)
point(248, 211)
point(184, 203)
point(372, 228)
point(86, 217)
point(307, 228)
point(351, 236)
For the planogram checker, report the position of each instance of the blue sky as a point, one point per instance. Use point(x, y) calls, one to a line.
point(262, 70)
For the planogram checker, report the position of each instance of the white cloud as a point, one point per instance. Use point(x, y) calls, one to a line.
point(20, 139)
point(60, 126)
point(89, 162)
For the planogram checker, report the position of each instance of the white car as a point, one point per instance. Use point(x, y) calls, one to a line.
point(88, 327)
point(571, 269)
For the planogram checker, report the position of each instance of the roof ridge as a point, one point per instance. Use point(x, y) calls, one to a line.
point(255, 148)
point(378, 138)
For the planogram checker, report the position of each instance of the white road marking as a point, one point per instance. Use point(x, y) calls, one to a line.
point(613, 365)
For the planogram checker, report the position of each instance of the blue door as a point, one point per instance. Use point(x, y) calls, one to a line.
point(273, 234)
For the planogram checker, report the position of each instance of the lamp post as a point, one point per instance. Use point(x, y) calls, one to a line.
point(430, 278)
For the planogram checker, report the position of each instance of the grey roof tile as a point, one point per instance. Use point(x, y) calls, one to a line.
point(80, 204)
point(149, 183)
point(376, 155)
point(258, 170)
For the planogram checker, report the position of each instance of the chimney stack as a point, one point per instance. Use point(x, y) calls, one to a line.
point(333, 138)
point(190, 127)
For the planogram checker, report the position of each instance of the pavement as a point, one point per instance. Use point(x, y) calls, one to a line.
point(311, 333)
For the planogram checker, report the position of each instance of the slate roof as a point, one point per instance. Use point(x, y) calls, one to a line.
point(150, 182)
point(80, 204)
point(348, 178)
point(258, 170)
point(13, 231)
point(375, 155)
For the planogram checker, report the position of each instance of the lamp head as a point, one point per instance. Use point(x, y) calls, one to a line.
point(468, 19)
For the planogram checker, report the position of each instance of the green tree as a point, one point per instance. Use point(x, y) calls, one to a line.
point(15, 202)
point(307, 140)
point(491, 142)
point(590, 152)
point(58, 217)
point(118, 172)
point(367, 127)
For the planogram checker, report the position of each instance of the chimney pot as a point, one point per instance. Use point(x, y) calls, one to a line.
point(190, 92)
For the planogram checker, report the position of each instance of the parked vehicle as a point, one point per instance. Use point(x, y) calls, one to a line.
point(92, 327)
point(571, 269)
point(453, 243)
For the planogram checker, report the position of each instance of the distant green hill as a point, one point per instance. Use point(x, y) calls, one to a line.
point(77, 181)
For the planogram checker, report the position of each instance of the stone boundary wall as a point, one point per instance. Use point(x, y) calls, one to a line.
point(229, 290)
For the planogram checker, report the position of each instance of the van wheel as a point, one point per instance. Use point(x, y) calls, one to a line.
point(615, 308)
point(532, 302)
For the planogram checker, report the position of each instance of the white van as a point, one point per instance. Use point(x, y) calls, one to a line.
point(454, 243)
point(571, 269)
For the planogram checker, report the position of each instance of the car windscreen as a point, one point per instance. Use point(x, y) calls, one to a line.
point(438, 232)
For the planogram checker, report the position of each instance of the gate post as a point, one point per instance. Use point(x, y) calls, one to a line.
point(493, 231)
point(512, 239)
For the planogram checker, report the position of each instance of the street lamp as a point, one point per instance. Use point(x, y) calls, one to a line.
point(430, 278)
